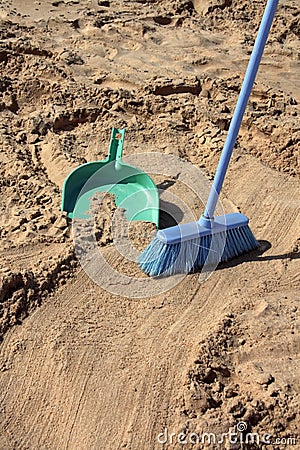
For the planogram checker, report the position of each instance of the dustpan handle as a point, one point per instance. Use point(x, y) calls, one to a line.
point(246, 89)
point(115, 149)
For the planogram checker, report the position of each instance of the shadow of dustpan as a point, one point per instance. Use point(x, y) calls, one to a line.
point(133, 189)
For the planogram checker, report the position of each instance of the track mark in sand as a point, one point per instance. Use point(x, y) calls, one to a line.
point(167, 357)
point(14, 395)
point(79, 402)
point(4, 442)
point(273, 209)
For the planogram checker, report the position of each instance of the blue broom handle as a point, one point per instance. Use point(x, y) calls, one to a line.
point(246, 89)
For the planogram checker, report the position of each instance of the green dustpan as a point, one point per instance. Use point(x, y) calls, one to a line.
point(133, 189)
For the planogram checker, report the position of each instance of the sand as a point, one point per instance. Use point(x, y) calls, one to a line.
point(81, 367)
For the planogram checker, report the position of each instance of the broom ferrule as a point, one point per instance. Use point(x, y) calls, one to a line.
point(206, 222)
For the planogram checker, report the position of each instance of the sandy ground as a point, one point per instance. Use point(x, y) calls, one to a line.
point(85, 369)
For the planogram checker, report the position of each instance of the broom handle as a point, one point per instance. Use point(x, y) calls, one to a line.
point(240, 106)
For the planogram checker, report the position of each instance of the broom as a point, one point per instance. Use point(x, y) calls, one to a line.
point(187, 247)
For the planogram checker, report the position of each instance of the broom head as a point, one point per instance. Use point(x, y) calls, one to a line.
point(189, 247)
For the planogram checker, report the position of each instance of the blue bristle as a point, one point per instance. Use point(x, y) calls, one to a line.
point(188, 256)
